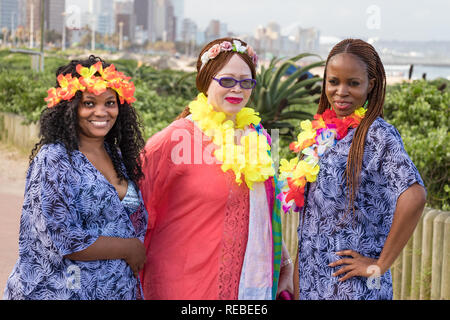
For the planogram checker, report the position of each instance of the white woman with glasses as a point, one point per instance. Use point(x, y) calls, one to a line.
point(214, 228)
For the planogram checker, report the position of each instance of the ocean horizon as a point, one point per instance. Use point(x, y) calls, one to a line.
point(432, 72)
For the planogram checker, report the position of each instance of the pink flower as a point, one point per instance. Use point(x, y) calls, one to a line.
point(252, 55)
point(226, 46)
point(250, 51)
point(255, 60)
point(214, 51)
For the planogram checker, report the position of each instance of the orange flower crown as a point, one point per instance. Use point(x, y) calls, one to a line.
point(110, 78)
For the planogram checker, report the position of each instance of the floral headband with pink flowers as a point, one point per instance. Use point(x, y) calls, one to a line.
point(228, 46)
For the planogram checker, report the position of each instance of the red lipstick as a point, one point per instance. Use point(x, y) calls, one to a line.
point(234, 100)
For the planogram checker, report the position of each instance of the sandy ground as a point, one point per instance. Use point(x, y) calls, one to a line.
point(12, 185)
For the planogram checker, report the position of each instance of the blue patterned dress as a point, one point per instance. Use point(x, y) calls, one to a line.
point(387, 171)
point(67, 206)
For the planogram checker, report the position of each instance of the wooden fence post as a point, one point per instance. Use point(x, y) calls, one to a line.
point(438, 247)
point(416, 258)
point(406, 271)
point(397, 277)
point(15, 132)
point(445, 284)
point(427, 254)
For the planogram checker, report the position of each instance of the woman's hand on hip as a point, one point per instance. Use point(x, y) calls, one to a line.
point(357, 265)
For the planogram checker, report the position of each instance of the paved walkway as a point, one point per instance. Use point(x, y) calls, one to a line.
point(12, 185)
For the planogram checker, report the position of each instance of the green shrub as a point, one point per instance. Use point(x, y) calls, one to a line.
point(161, 95)
point(24, 94)
point(157, 111)
point(167, 82)
point(420, 113)
point(441, 83)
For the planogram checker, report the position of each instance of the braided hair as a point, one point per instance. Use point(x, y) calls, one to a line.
point(375, 70)
point(60, 125)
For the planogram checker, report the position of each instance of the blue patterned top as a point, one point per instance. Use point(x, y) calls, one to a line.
point(132, 200)
point(386, 172)
point(67, 206)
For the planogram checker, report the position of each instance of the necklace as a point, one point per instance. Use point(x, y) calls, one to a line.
point(251, 157)
point(317, 136)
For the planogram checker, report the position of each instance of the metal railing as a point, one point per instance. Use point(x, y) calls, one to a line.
point(37, 58)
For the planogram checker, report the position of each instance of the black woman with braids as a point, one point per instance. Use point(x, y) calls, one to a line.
point(358, 193)
point(83, 219)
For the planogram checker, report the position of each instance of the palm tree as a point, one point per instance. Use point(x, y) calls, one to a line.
point(279, 98)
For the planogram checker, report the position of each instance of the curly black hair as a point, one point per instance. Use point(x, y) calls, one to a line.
point(60, 125)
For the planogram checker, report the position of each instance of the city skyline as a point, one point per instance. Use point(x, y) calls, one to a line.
point(401, 20)
point(172, 25)
point(384, 19)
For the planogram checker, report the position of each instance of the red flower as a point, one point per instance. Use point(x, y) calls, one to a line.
point(52, 98)
point(328, 115)
point(295, 193)
point(293, 147)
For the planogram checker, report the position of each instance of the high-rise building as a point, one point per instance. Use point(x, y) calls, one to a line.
point(103, 11)
point(273, 34)
point(100, 16)
point(274, 29)
point(188, 31)
point(307, 39)
point(33, 17)
point(212, 31)
point(159, 20)
point(9, 14)
point(223, 30)
point(156, 18)
point(269, 40)
point(164, 21)
point(142, 10)
point(171, 22)
point(54, 18)
point(53, 15)
point(22, 19)
point(124, 12)
point(178, 10)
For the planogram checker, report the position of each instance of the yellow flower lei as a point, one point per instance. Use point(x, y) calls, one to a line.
point(251, 158)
